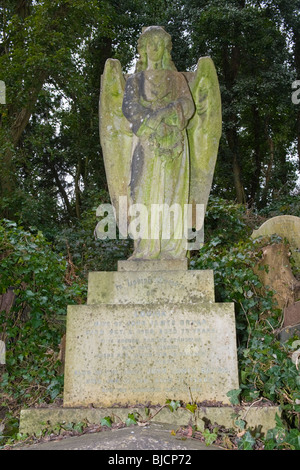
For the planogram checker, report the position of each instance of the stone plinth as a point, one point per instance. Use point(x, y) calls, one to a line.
point(153, 265)
point(131, 354)
point(148, 333)
point(143, 287)
point(33, 420)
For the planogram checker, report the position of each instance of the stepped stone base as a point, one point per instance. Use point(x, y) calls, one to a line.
point(35, 419)
point(150, 332)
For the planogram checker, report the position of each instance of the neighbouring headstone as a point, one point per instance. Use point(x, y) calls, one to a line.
point(2, 353)
point(292, 314)
point(2, 92)
point(275, 272)
point(286, 226)
point(291, 322)
point(279, 276)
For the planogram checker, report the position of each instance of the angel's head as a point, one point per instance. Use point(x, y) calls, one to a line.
point(154, 44)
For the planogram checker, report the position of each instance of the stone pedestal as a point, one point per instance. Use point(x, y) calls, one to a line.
point(151, 331)
point(148, 333)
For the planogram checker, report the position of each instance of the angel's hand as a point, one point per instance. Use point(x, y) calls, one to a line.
point(174, 115)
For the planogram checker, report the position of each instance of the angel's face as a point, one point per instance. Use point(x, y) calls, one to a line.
point(155, 48)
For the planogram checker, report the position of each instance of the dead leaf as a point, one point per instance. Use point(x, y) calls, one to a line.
point(189, 431)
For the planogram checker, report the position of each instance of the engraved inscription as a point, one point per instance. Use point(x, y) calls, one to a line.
point(169, 345)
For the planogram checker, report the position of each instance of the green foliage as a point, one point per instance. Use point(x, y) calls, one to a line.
point(259, 133)
point(265, 365)
point(191, 407)
point(107, 421)
point(132, 419)
point(173, 405)
point(246, 442)
point(225, 221)
point(283, 206)
point(210, 437)
point(233, 396)
point(32, 328)
point(281, 438)
point(52, 54)
point(86, 251)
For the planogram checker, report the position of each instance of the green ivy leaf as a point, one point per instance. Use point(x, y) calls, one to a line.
point(246, 442)
point(131, 420)
point(192, 408)
point(209, 437)
point(173, 405)
point(233, 396)
point(107, 421)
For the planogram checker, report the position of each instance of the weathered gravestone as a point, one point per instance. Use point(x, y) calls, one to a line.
point(152, 330)
point(2, 92)
point(2, 353)
point(279, 276)
point(286, 226)
point(160, 336)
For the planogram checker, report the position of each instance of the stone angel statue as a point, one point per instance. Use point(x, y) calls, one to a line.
point(159, 132)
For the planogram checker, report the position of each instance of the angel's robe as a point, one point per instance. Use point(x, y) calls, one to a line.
point(159, 104)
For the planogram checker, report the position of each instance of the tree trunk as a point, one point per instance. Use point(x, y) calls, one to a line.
point(8, 181)
point(23, 8)
point(61, 189)
point(77, 189)
point(269, 170)
point(231, 64)
point(257, 154)
point(298, 138)
point(297, 64)
point(232, 139)
point(239, 188)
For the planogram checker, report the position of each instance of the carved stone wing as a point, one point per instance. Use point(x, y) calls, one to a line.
point(204, 129)
point(115, 133)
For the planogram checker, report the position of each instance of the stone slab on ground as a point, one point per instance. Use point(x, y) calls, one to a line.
point(152, 437)
point(33, 420)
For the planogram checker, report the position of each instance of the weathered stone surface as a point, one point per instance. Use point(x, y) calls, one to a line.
point(2, 353)
point(142, 287)
point(289, 332)
point(160, 132)
point(2, 92)
point(33, 420)
point(125, 354)
point(153, 265)
point(292, 315)
point(286, 226)
point(277, 274)
point(153, 437)
point(254, 416)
